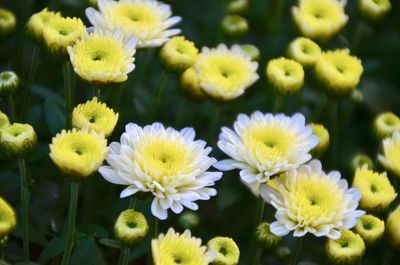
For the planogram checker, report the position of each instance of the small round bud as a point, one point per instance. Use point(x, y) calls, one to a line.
point(283, 252)
point(9, 83)
point(385, 124)
point(178, 54)
point(238, 6)
point(348, 249)
point(18, 139)
point(4, 122)
point(7, 21)
point(359, 160)
point(370, 228)
point(285, 75)
point(8, 219)
point(227, 251)
point(131, 227)
point(323, 139)
point(3, 242)
point(374, 9)
point(252, 51)
point(265, 238)
point(189, 220)
point(190, 84)
point(393, 228)
point(305, 51)
point(234, 25)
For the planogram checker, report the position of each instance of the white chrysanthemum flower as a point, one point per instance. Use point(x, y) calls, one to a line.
point(263, 145)
point(310, 201)
point(148, 20)
point(225, 74)
point(103, 57)
point(168, 163)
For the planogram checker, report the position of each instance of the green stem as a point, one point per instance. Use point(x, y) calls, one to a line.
point(126, 251)
point(11, 108)
point(280, 4)
point(278, 104)
point(320, 108)
point(214, 123)
point(335, 132)
point(68, 93)
point(255, 253)
point(73, 205)
point(388, 257)
point(155, 227)
point(160, 86)
point(24, 206)
point(296, 253)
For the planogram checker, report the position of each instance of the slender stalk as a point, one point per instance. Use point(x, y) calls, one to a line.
point(388, 257)
point(160, 87)
point(68, 93)
point(296, 253)
point(31, 78)
point(255, 253)
point(320, 108)
point(335, 132)
point(73, 205)
point(24, 207)
point(278, 104)
point(11, 108)
point(155, 227)
point(214, 123)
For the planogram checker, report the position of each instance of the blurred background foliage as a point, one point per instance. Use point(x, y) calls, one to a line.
point(230, 213)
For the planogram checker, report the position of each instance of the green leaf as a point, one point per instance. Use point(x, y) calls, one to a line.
point(110, 243)
point(55, 117)
point(47, 94)
point(52, 250)
point(84, 252)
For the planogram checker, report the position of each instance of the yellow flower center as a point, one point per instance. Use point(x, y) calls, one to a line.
point(181, 251)
point(322, 12)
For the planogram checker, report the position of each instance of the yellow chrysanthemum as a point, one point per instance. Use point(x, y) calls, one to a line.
point(178, 54)
point(376, 191)
point(370, 228)
point(320, 19)
point(7, 21)
point(60, 32)
point(385, 124)
point(148, 20)
point(174, 248)
point(9, 83)
point(131, 227)
point(8, 218)
point(234, 25)
point(285, 75)
point(227, 251)
point(393, 228)
point(224, 73)
point(339, 71)
point(78, 153)
point(96, 116)
point(190, 84)
point(17, 139)
point(103, 57)
point(348, 249)
point(304, 51)
point(38, 22)
point(390, 158)
point(4, 122)
point(323, 139)
point(310, 201)
point(374, 9)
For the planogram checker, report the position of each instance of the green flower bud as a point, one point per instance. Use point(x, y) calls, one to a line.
point(3, 242)
point(265, 238)
point(227, 251)
point(357, 96)
point(285, 75)
point(189, 220)
point(283, 252)
point(385, 124)
point(252, 51)
point(374, 9)
point(4, 122)
point(323, 139)
point(370, 228)
point(131, 227)
point(393, 228)
point(359, 160)
point(190, 85)
point(348, 249)
point(18, 139)
point(8, 218)
point(178, 54)
point(238, 6)
point(7, 21)
point(9, 83)
point(234, 25)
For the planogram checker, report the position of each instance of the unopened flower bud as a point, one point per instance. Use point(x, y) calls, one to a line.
point(285, 75)
point(131, 227)
point(178, 54)
point(385, 124)
point(18, 139)
point(227, 251)
point(374, 9)
point(393, 228)
point(190, 85)
point(265, 238)
point(348, 249)
point(370, 228)
point(238, 6)
point(189, 220)
point(323, 139)
point(305, 51)
point(8, 219)
point(359, 160)
point(234, 25)
point(9, 83)
point(7, 21)
point(4, 122)
point(252, 51)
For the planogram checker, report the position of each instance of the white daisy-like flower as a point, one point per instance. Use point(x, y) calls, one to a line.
point(103, 56)
point(225, 74)
point(308, 200)
point(148, 20)
point(264, 145)
point(169, 164)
